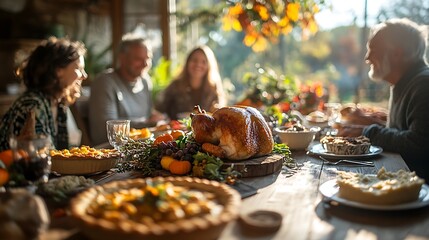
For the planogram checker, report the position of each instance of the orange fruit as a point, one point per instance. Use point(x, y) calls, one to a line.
point(177, 133)
point(4, 176)
point(166, 137)
point(6, 157)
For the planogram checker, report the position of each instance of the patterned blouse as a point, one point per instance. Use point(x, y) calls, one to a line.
point(36, 101)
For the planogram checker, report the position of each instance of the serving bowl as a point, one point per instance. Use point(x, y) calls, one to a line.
point(296, 140)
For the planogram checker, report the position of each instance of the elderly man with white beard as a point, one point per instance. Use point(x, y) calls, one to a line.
point(396, 54)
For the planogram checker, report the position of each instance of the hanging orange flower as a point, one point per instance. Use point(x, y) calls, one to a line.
point(230, 20)
point(264, 21)
point(292, 11)
point(262, 11)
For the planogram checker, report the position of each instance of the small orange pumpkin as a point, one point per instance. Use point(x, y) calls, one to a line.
point(166, 161)
point(180, 167)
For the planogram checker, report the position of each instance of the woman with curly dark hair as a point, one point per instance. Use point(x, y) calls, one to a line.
point(52, 75)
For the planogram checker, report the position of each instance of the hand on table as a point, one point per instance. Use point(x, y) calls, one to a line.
point(350, 131)
point(156, 117)
point(358, 116)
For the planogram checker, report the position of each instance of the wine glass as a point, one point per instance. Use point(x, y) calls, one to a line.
point(118, 132)
point(32, 160)
point(333, 112)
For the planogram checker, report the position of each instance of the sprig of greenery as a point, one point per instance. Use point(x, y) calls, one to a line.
point(139, 155)
point(182, 140)
point(267, 86)
point(283, 149)
point(187, 122)
point(211, 166)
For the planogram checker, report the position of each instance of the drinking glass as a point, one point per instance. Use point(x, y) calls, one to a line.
point(118, 132)
point(32, 160)
point(333, 112)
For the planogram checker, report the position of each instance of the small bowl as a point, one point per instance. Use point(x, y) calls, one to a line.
point(323, 124)
point(261, 222)
point(296, 140)
point(317, 119)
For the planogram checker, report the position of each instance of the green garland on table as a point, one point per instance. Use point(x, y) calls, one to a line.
point(145, 156)
point(141, 156)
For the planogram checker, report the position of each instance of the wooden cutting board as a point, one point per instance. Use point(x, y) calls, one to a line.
point(255, 167)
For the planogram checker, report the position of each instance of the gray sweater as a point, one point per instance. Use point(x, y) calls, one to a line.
point(113, 98)
point(407, 132)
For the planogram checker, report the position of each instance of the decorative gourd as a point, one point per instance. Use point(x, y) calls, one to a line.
point(166, 162)
point(180, 167)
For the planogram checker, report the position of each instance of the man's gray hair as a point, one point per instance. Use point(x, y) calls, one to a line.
point(405, 34)
point(131, 39)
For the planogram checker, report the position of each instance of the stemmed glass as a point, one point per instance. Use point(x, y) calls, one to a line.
point(333, 112)
point(32, 159)
point(118, 132)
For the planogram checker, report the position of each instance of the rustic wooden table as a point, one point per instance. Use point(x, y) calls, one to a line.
point(296, 197)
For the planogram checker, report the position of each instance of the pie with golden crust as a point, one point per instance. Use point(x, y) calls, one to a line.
point(83, 152)
point(83, 160)
point(156, 208)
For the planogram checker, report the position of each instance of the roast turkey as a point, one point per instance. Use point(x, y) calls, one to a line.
point(238, 132)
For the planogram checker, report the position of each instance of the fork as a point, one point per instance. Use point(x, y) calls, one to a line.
point(336, 162)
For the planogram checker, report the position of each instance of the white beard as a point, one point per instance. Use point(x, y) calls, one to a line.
point(378, 74)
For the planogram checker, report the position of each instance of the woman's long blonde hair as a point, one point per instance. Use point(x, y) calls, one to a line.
point(212, 81)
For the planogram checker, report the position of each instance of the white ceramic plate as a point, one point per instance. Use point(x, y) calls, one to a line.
point(320, 151)
point(329, 190)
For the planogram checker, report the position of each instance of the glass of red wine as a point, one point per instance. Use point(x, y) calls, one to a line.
point(32, 160)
